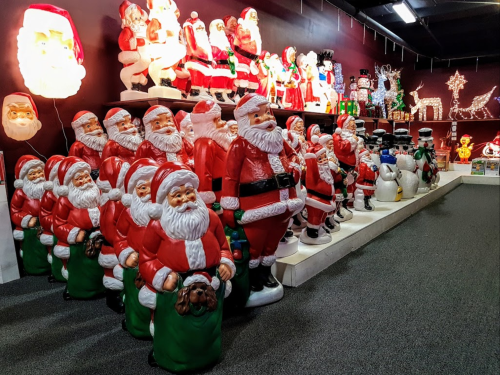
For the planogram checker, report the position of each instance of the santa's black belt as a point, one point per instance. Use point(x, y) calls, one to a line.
point(217, 184)
point(180, 65)
point(222, 62)
point(369, 181)
point(319, 195)
point(278, 181)
point(211, 271)
point(246, 54)
point(201, 60)
point(346, 167)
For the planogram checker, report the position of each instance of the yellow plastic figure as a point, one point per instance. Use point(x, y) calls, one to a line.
point(464, 151)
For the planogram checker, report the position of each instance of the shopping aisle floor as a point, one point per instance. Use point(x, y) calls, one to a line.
point(422, 298)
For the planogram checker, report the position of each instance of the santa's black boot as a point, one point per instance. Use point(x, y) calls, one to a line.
point(124, 325)
point(251, 91)
point(51, 279)
point(344, 204)
point(329, 224)
point(114, 301)
point(194, 93)
point(151, 359)
point(66, 295)
point(367, 203)
point(312, 232)
point(219, 97)
point(267, 277)
point(136, 87)
point(240, 91)
point(166, 82)
point(255, 280)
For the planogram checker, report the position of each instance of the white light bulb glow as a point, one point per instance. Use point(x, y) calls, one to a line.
point(404, 12)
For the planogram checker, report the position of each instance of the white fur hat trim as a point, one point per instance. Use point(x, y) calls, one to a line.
point(251, 106)
point(201, 118)
point(154, 114)
point(82, 120)
point(177, 178)
point(115, 118)
point(324, 139)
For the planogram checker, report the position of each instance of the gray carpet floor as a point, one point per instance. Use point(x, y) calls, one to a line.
point(422, 298)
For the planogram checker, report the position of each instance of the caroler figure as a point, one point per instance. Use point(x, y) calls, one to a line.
point(365, 183)
point(388, 188)
point(186, 263)
point(131, 226)
point(134, 53)
point(25, 213)
point(76, 226)
point(123, 136)
point(47, 205)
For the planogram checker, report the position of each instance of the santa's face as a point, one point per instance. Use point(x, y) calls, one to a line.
point(19, 121)
point(322, 159)
point(141, 201)
point(219, 26)
point(164, 134)
point(234, 129)
point(189, 131)
point(163, 121)
point(262, 116)
point(83, 192)
point(126, 124)
point(135, 20)
point(143, 189)
point(36, 173)
point(93, 126)
point(299, 127)
point(219, 123)
point(317, 132)
point(81, 179)
point(291, 56)
point(33, 183)
point(351, 126)
point(231, 25)
point(181, 195)
point(329, 145)
point(252, 17)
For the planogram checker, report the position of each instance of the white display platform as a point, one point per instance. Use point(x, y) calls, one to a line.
point(8, 261)
point(364, 227)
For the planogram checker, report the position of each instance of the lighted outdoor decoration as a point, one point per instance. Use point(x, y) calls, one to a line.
point(455, 84)
point(392, 94)
point(20, 116)
point(492, 149)
point(422, 104)
point(50, 53)
point(464, 151)
point(378, 96)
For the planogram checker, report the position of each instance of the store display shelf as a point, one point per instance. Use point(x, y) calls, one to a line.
point(364, 227)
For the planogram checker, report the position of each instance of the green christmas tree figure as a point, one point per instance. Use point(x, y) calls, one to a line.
point(398, 104)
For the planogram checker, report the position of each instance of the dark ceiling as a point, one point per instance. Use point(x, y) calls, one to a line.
point(448, 28)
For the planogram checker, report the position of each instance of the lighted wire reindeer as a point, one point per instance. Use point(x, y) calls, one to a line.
point(478, 104)
point(378, 96)
point(422, 104)
point(393, 92)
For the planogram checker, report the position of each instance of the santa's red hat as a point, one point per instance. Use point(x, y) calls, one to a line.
point(194, 20)
point(245, 14)
point(310, 130)
point(127, 7)
point(114, 115)
point(205, 111)
point(230, 123)
point(202, 277)
point(249, 104)
point(156, 110)
point(292, 120)
point(24, 164)
point(68, 168)
point(169, 175)
point(285, 56)
point(343, 121)
point(20, 97)
point(496, 140)
point(140, 171)
point(49, 17)
point(81, 118)
point(51, 167)
point(363, 152)
point(111, 176)
point(183, 118)
point(314, 152)
point(263, 54)
point(324, 138)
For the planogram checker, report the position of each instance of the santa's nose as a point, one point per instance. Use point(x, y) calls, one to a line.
point(199, 292)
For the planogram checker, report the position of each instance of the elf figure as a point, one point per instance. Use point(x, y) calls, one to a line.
point(423, 157)
point(25, 213)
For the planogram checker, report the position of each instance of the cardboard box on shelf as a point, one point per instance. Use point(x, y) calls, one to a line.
point(477, 167)
point(492, 167)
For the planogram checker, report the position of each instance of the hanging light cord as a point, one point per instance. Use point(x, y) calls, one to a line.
point(62, 125)
point(34, 149)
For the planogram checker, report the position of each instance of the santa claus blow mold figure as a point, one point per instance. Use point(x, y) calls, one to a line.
point(232, 125)
point(20, 116)
point(134, 53)
point(187, 264)
point(25, 213)
point(123, 136)
point(365, 183)
point(163, 140)
point(258, 191)
point(90, 140)
point(183, 118)
point(76, 226)
point(131, 226)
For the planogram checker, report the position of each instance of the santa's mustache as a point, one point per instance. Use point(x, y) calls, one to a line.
point(38, 180)
point(165, 129)
point(131, 131)
point(185, 206)
point(96, 132)
point(265, 125)
point(85, 187)
point(145, 199)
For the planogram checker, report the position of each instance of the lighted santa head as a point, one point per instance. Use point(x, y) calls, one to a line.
point(88, 130)
point(182, 212)
point(230, 24)
point(249, 20)
point(75, 183)
point(20, 116)
point(218, 36)
point(133, 16)
point(121, 129)
point(111, 176)
point(50, 53)
point(207, 123)
point(30, 176)
point(51, 168)
point(313, 133)
point(162, 130)
point(257, 124)
point(163, 10)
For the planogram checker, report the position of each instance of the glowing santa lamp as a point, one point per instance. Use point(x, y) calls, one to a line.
point(20, 116)
point(50, 53)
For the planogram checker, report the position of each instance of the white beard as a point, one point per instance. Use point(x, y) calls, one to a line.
point(203, 42)
point(271, 142)
point(168, 143)
point(221, 136)
point(55, 181)
point(20, 129)
point(325, 173)
point(86, 196)
point(127, 139)
point(92, 140)
point(189, 225)
point(219, 39)
point(254, 33)
point(139, 209)
point(189, 136)
point(367, 159)
point(33, 189)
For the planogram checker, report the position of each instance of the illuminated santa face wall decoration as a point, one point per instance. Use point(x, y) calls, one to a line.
point(20, 116)
point(50, 53)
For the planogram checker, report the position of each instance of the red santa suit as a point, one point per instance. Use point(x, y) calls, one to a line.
point(311, 137)
point(272, 201)
point(293, 96)
point(162, 254)
point(199, 53)
point(263, 74)
point(183, 78)
point(133, 44)
point(210, 148)
point(247, 48)
point(117, 145)
point(157, 150)
point(366, 175)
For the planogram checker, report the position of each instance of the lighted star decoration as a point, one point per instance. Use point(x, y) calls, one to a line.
point(456, 83)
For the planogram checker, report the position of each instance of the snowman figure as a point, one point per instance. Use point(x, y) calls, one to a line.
point(376, 150)
point(427, 168)
point(408, 167)
point(388, 189)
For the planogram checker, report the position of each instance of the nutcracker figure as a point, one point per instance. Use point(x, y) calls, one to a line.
point(25, 213)
point(294, 99)
point(258, 190)
point(110, 182)
point(134, 53)
point(423, 157)
point(186, 262)
point(388, 188)
point(365, 183)
point(247, 49)
point(123, 136)
point(163, 140)
point(90, 140)
point(76, 226)
point(224, 72)
point(166, 47)
point(184, 120)
point(47, 205)
point(212, 139)
point(131, 226)
point(199, 52)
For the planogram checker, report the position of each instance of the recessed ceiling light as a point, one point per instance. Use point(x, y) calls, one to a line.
point(404, 12)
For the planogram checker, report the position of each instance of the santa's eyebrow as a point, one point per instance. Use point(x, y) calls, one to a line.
point(175, 189)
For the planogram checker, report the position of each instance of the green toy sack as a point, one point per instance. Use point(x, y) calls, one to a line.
point(34, 253)
point(57, 265)
point(137, 317)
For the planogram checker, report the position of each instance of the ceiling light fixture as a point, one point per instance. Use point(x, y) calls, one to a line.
point(404, 12)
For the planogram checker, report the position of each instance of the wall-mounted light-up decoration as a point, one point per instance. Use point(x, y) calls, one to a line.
point(421, 105)
point(455, 84)
point(50, 53)
point(20, 117)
